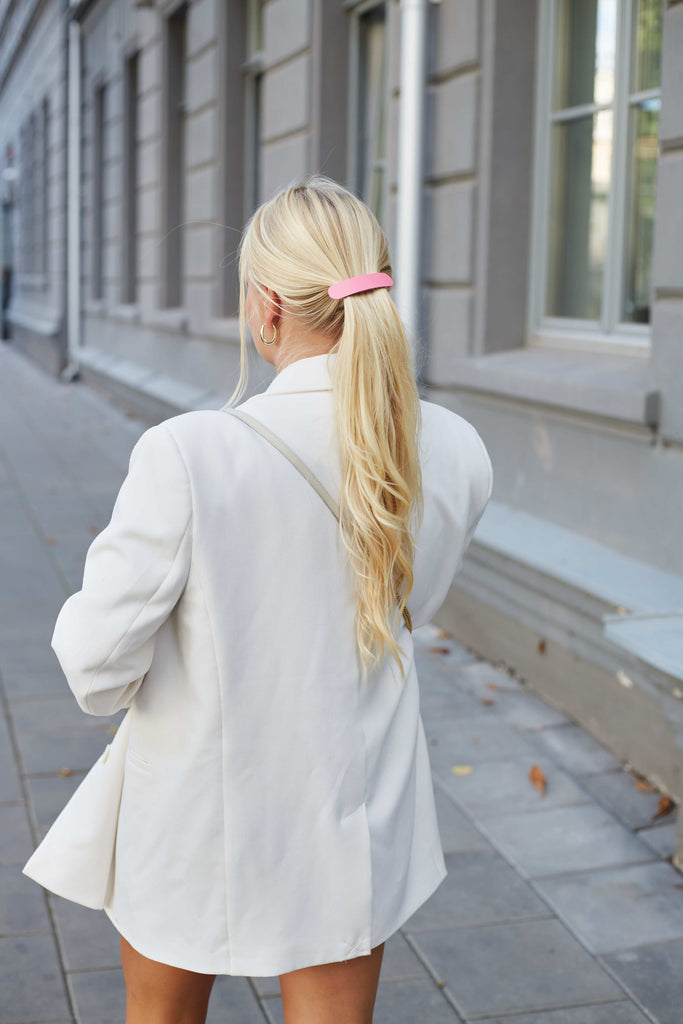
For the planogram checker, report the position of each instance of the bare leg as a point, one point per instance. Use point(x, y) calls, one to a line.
point(159, 994)
point(337, 993)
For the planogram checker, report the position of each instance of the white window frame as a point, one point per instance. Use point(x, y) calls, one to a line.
point(606, 334)
point(356, 9)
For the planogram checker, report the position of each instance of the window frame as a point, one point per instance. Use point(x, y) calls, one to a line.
point(356, 9)
point(100, 94)
point(608, 334)
point(253, 70)
point(130, 168)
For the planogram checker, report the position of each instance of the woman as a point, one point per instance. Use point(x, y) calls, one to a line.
point(277, 814)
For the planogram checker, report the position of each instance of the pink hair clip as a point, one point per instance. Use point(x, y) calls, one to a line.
point(362, 283)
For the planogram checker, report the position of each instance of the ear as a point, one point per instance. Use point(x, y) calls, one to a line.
point(272, 311)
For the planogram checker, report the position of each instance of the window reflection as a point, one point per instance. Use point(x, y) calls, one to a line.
point(580, 178)
point(584, 51)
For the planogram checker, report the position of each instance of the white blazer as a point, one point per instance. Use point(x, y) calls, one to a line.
point(274, 814)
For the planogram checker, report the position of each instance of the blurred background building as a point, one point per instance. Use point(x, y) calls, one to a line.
point(526, 160)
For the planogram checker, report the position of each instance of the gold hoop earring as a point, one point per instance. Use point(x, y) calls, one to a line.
point(273, 339)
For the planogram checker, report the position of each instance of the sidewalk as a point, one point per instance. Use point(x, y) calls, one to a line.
point(559, 907)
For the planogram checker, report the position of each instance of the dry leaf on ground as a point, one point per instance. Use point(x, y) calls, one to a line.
point(537, 778)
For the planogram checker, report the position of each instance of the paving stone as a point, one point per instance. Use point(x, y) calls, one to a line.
point(526, 711)
point(483, 679)
point(576, 750)
point(617, 792)
point(10, 789)
point(654, 974)
point(514, 967)
point(565, 839)
point(437, 701)
point(99, 997)
point(400, 962)
point(24, 656)
point(617, 908)
point(32, 982)
point(54, 733)
point(432, 646)
point(456, 830)
point(472, 740)
point(16, 843)
point(48, 796)
point(503, 787)
point(22, 903)
point(233, 999)
point(603, 1013)
point(87, 938)
point(661, 838)
point(44, 682)
point(405, 1002)
point(480, 887)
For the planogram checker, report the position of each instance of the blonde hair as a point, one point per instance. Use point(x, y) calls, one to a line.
point(305, 238)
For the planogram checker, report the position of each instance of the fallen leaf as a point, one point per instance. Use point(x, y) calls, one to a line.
point(462, 769)
point(645, 786)
point(499, 688)
point(666, 805)
point(487, 700)
point(65, 772)
point(537, 778)
point(438, 649)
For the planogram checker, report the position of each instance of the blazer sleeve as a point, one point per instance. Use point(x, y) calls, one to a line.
point(135, 571)
point(461, 477)
point(482, 487)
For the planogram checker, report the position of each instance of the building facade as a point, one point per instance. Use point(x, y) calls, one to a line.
point(548, 264)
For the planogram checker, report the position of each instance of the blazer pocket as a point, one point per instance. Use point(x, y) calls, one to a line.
point(138, 760)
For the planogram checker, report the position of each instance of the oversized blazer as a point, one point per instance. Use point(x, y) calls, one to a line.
point(275, 813)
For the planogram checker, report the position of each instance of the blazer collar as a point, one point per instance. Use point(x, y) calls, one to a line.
point(309, 374)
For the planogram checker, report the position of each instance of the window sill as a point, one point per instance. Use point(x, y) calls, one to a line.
point(127, 313)
point(612, 386)
point(171, 319)
point(31, 282)
point(224, 329)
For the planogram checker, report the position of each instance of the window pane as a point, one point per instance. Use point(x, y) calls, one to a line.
point(372, 113)
point(643, 145)
point(579, 189)
point(584, 51)
point(647, 44)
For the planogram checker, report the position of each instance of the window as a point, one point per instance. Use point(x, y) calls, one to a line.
point(30, 196)
point(174, 164)
point(253, 70)
point(44, 185)
point(130, 180)
point(597, 130)
point(98, 192)
point(368, 104)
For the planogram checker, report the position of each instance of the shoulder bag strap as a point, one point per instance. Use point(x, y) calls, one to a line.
point(278, 443)
point(307, 473)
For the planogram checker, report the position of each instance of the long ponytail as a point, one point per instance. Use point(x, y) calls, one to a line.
point(298, 243)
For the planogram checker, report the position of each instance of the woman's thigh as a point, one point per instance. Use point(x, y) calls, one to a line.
point(159, 994)
point(337, 993)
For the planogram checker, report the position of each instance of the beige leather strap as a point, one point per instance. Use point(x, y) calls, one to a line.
point(308, 474)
